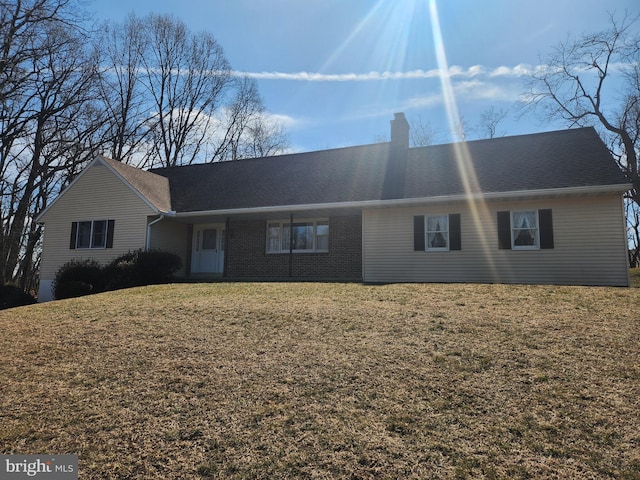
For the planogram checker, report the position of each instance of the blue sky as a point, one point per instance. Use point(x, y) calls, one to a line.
point(335, 71)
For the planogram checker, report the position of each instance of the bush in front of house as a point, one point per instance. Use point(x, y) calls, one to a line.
point(12, 296)
point(141, 267)
point(133, 269)
point(157, 266)
point(122, 272)
point(78, 277)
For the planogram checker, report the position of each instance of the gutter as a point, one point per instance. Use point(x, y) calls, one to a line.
point(405, 202)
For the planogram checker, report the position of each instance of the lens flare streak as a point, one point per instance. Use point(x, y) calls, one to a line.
point(478, 208)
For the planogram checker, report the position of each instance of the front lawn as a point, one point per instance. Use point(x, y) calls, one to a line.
point(252, 380)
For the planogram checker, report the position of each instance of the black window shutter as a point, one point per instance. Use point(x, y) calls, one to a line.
point(74, 234)
point(110, 225)
point(418, 233)
point(546, 228)
point(455, 236)
point(504, 230)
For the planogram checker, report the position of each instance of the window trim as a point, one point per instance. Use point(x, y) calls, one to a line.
point(281, 224)
point(454, 233)
point(545, 235)
point(107, 235)
point(445, 233)
point(513, 229)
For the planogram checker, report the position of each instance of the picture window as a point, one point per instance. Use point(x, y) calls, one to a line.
point(299, 237)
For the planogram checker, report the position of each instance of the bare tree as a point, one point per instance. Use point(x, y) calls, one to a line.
point(39, 117)
point(461, 129)
point(248, 131)
point(633, 233)
point(147, 91)
point(421, 133)
point(21, 26)
point(595, 80)
point(489, 121)
point(122, 91)
point(264, 137)
point(234, 119)
point(187, 76)
point(170, 99)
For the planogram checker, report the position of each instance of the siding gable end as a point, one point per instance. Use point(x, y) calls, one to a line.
point(41, 218)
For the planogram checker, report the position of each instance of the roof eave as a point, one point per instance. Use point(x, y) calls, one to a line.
point(406, 202)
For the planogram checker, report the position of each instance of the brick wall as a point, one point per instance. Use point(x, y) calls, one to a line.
point(246, 255)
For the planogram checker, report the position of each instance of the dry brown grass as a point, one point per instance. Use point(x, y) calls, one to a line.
point(328, 381)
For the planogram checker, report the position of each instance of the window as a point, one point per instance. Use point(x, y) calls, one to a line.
point(322, 236)
point(92, 234)
point(525, 229)
point(209, 239)
point(437, 232)
point(83, 239)
point(302, 236)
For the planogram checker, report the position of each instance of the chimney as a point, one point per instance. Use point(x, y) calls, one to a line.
point(393, 186)
point(399, 131)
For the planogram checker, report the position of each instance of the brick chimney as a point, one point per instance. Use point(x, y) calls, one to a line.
point(393, 186)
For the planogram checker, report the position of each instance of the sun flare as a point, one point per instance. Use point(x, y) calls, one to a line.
point(478, 208)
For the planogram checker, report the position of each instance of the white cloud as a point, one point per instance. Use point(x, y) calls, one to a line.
point(424, 101)
point(286, 121)
point(522, 70)
point(454, 71)
point(479, 90)
point(474, 89)
point(500, 72)
point(477, 70)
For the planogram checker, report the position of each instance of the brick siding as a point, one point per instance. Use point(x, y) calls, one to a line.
point(246, 255)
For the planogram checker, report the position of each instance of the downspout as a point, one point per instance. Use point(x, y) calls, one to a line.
point(148, 242)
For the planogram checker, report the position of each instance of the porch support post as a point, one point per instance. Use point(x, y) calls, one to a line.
point(291, 245)
point(187, 267)
point(226, 246)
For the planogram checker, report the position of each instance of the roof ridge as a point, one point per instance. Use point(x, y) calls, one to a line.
point(327, 151)
point(507, 137)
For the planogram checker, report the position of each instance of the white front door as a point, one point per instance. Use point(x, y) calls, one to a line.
point(208, 249)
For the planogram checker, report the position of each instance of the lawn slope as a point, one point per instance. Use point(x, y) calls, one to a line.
point(349, 381)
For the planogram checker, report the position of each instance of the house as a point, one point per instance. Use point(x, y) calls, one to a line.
point(538, 209)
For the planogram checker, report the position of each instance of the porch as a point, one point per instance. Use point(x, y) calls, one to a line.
point(265, 247)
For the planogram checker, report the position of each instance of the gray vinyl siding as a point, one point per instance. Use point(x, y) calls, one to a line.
point(171, 237)
point(97, 195)
point(589, 245)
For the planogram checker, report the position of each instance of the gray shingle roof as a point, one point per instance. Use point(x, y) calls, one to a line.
point(560, 159)
point(340, 175)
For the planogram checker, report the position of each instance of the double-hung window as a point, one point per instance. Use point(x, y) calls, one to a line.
point(437, 232)
point(525, 229)
point(92, 234)
point(299, 237)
